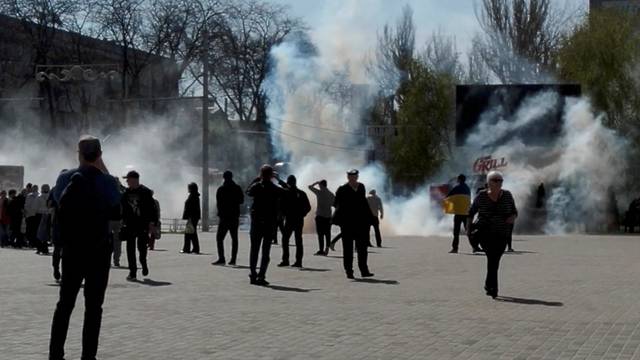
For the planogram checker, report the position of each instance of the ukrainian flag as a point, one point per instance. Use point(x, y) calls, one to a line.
point(457, 203)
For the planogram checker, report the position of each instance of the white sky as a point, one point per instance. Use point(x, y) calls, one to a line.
point(456, 17)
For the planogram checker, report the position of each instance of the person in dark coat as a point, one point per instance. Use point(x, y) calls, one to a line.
point(354, 218)
point(85, 197)
point(497, 212)
point(139, 217)
point(296, 207)
point(15, 208)
point(229, 197)
point(264, 212)
point(191, 213)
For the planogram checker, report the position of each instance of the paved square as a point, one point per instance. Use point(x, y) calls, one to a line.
point(570, 297)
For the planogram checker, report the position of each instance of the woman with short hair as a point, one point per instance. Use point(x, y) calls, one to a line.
point(497, 212)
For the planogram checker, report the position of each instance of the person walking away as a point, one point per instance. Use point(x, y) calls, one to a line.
point(15, 208)
point(85, 197)
point(457, 203)
point(296, 207)
point(229, 197)
point(264, 210)
point(43, 233)
point(375, 204)
point(32, 217)
point(354, 217)
point(155, 234)
point(191, 213)
point(324, 202)
point(4, 219)
point(138, 219)
point(496, 212)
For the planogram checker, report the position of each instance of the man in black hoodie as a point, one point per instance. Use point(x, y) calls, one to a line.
point(296, 207)
point(192, 214)
point(265, 196)
point(138, 221)
point(229, 197)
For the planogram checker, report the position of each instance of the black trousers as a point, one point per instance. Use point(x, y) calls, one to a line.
point(261, 235)
point(359, 237)
point(32, 230)
point(57, 256)
point(457, 221)
point(16, 237)
point(94, 270)
point(230, 226)
point(191, 242)
point(292, 226)
point(494, 249)
point(323, 229)
point(376, 229)
point(510, 237)
point(140, 238)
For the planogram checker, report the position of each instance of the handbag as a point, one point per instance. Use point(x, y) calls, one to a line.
point(477, 233)
point(189, 228)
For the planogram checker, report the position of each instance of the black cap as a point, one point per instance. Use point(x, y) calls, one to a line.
point(353, 172)
point(132, 174)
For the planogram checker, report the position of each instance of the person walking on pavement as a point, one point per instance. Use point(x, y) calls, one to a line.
point(85, 196)
point(325, 199)
point(296, 207)
point(43, 233)
point(457, 202)
point(138, 219)
point(32, 218)
point(496, 211)
point(264, 211)
point(15, 209)
point(375, 204)
point(229, 197)
point(354, 217)
point(192, 214)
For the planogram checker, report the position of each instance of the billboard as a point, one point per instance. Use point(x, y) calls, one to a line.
point(11, 177)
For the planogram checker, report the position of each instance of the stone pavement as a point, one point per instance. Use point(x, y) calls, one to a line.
point(570, 297)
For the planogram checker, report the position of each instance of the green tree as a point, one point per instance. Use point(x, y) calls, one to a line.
point(420, 146)
point(602, 55)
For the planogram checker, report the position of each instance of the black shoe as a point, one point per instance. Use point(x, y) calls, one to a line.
point(145, 271)
point(219, 262)
point(283, 264)
point(367, 274)
point(350, 276)
point(185, 252)
point(116, 264)
point(510, 250)
point(232, 262)
point(131, 278)
point(252, 280)
point(319, 252)
point(297, 264)
point(262, 282)
point(477, 250)
point(454, 251)
point(56, 274)
point(332, 247)
point(195, 252)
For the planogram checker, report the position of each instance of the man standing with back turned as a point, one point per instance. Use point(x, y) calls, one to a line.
point(85, 196)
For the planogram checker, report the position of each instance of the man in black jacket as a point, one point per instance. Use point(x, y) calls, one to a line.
point(192, 214)
point(265, 196)
point(138, 221)
point(354, 218)
point(296, 207)
point(86, 197)
point(229, 197)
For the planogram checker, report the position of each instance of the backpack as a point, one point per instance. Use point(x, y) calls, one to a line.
point(79, 214)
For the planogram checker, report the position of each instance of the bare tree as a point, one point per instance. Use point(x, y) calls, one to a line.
point(239, 54)
point(521, 38)
point(394, 53)
point(442, 56)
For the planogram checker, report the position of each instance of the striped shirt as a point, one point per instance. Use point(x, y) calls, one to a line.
point(494, 214)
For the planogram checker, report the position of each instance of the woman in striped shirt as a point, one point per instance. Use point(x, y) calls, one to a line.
point(497, 212)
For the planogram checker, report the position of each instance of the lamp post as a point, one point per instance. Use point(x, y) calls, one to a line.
point(205, 131)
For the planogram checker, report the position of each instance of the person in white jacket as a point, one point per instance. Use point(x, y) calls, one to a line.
point(44, 227)
point(31, 217)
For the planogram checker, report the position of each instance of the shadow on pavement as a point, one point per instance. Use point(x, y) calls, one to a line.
point(314, 269)
point(378, 281)
point(519, 252)
point(158, 250)
point(528, 301)
point(287, 288)
point(334, 256)
point(150, 282)
point(238, 267)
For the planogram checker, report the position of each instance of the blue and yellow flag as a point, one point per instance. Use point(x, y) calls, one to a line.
point(458, 201)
